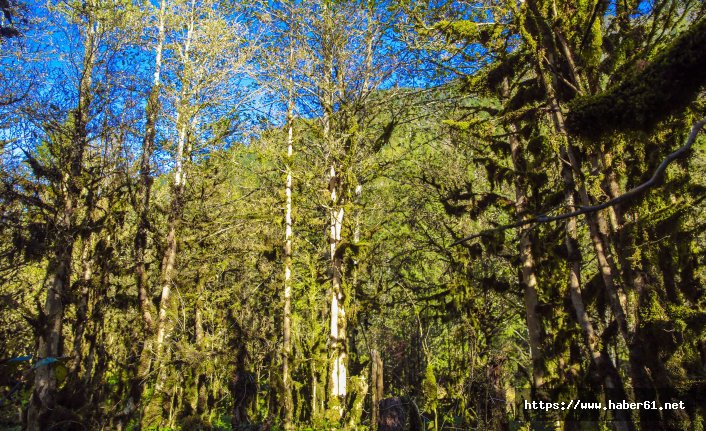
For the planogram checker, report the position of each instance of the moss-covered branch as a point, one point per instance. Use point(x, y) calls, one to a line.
point(665, 87)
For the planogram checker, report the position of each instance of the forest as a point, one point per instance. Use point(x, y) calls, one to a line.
point(278, 215)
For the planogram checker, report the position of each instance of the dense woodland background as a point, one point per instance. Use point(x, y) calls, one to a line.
point(223, 215)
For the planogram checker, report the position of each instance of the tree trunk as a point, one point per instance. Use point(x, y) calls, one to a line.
point(604, 366)
point(529, 278)
point(148, 141)
point(337, 340)
point(154, 412)
point(528, 275)
point(200, 399)
point(314, 388)
point(338, 314)
point(43, 403)
point(378, 390)
point(81, 309)
point(288, 404)
point(606, 264)
point(646, 370)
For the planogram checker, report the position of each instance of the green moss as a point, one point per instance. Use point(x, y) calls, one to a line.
point(459, 125)
point(359, 390)
point(653, 310)
point(430, 390)
point(508, 67)
point(665, 87)
point(528, 92)
point(459, 30)
point(595, 49)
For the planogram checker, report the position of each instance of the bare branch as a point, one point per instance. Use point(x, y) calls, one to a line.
point(630, 194)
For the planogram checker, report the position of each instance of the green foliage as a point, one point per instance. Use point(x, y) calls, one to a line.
point(434, 165)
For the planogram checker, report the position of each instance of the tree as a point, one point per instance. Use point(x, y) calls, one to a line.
point(209, 54)
point(68, 143)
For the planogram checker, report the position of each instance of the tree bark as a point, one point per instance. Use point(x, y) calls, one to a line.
point(167, 281)
point(81, 308)
point(337, 340)
point(611, 378)
point(152, 113)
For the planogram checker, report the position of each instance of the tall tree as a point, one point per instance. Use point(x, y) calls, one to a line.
point(152, 110)
point(209, 55)
point(70, 142)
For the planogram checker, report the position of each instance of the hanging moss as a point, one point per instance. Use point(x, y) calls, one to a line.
point(508, 67)
point(529, 91)
point(459, 30)
point(665, 87)
point(430, 390)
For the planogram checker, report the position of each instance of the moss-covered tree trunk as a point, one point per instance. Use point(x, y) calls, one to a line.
point(141, 350)
point(84, 284)
point(338, 358)
point(378, 388)
point(571, 167)
point(154, 411)
point(528, 278)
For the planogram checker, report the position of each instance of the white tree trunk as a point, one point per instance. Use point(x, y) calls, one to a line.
point(287, 312)
point(338, 314)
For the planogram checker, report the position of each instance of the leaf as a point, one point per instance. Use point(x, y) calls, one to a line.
point(60, 371)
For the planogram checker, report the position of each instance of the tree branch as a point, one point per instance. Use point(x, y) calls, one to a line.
point(630, 194)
